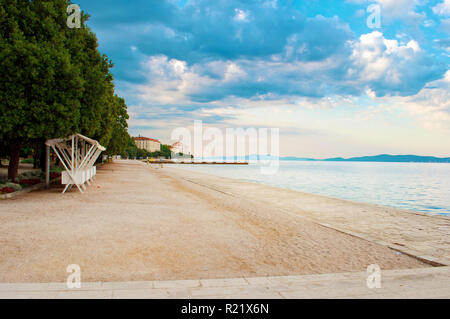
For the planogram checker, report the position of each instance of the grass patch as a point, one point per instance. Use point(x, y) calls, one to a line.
point(27, 161)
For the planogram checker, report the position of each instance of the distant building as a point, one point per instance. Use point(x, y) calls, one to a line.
point(146, 143)
point(177, 147)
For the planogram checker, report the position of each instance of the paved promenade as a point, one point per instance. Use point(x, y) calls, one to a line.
point(430, 282)
point(134, 240)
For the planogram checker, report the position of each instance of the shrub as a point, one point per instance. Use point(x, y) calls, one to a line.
point(14, 186)
point(27, 161)
point(30, 181)
point(30, 175)
point(7, 190)
point(54, 175)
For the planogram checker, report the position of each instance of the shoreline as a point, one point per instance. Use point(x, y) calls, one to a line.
point(395, 203)
point(379, 206)
point(146, 223)
point(440, 259)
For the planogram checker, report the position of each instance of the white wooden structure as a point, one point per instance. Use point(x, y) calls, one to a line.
point(78, 154)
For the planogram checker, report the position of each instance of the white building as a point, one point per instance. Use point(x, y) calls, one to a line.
point(149, 144)
point(177, 147)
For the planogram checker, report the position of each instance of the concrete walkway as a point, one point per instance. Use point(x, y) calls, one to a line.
point(433, 282)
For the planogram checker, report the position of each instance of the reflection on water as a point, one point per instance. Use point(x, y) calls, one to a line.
point(422, 187)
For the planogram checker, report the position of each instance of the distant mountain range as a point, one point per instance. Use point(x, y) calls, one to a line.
point(377, 158)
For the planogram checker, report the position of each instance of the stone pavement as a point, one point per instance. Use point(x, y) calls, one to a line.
point(433, 282)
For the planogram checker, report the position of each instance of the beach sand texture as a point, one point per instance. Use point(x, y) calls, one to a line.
point(138, 222)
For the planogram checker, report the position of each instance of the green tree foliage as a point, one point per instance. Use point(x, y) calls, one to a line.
point(131, 149)
point(120, 139)
point(54, 80)
point(141, 153)
point(165, 150)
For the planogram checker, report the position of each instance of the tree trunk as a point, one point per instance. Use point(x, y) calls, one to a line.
point(13, 168)
point(42, 158)
point(36, 148)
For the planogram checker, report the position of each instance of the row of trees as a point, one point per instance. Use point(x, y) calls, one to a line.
point(132, 151)
point(54, 81)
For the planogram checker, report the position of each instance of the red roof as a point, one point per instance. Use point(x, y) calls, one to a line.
point(141, 138)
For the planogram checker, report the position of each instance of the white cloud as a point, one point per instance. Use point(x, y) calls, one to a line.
point(385, 65)
point(413, 45)
point(396, 9)
point(369, 54)
point(445, 25)
point(400, 9)
point(443, 8)
point(430, 107)
point(428, 23)
point(233, 72)
point(241, 15)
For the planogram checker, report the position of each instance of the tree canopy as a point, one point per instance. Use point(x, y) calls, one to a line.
point(132, 151)
point(54, 82)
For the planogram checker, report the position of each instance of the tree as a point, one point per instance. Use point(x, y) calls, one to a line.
point(120, 138)
point(166, 151)
point(141, 153)
point(39, 87)
point(3, 151)
point(131, 149)
point(54, 80)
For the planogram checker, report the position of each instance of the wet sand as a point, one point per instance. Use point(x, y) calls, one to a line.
point(138, 222)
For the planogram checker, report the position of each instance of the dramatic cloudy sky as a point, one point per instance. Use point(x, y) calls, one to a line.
point(315, 69)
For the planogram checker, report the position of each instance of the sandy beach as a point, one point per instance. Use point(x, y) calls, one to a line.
point(138, 222)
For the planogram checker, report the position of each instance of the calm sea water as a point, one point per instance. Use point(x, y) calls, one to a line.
point(422, 187)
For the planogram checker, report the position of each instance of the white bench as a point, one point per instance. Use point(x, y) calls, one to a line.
point(79, 176)
point(78, 154)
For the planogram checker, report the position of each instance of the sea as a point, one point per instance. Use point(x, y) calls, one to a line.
point(419, 187)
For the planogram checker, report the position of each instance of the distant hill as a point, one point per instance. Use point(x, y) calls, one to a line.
point(378, 158)
point(293, 158)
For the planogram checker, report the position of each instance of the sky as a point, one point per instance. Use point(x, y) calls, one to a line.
point(333, 80)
